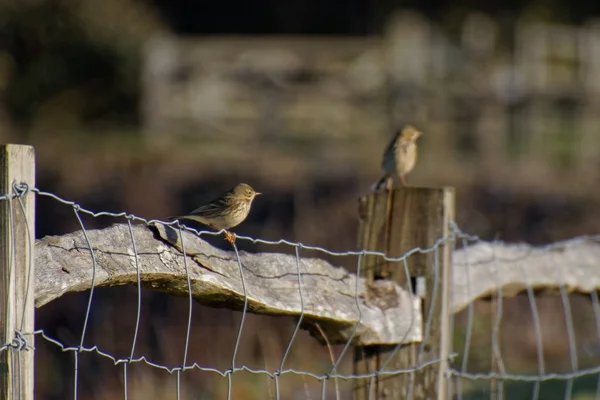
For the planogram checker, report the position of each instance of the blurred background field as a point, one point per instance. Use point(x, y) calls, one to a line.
point(151, 107)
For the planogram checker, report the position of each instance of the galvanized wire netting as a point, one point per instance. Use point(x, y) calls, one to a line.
point(479, 364)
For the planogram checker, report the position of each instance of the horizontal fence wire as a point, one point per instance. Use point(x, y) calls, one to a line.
point(460, 373)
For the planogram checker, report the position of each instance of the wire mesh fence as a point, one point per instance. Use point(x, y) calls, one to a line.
point(557, 330)
point(484, 333)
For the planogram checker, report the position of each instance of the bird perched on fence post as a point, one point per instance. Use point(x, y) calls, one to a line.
point(399, 157)
point(228, 210)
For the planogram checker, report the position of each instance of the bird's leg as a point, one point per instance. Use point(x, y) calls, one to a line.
point(403, 180)
point(389, 183)
point(230, 237)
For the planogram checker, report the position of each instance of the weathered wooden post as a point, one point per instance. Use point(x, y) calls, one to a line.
point(396, 222)
point(17, 235)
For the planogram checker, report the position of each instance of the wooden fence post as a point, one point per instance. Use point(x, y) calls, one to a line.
point(17, 235)
point(396, 222)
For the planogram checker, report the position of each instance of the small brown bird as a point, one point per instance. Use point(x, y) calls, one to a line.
point(228, 210)
point(399, 157)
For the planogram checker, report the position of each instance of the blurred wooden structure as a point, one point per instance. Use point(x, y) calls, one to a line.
point(489, 112)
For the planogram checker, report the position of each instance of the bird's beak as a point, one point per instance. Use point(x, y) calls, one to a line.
point(257, 193)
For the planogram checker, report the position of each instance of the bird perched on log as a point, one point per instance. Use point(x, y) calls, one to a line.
point(228, 210)
point(399, 157)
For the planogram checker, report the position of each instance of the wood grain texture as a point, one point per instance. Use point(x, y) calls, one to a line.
point(17, 234)
point(396, 222)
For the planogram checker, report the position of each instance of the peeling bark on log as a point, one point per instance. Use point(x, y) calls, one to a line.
point(64, 264)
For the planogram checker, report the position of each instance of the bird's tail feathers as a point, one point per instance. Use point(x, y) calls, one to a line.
point(379, 184)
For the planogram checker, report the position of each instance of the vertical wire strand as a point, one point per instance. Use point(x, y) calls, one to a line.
point(333, 370)
point(434, 293)
point(20, 193)
point(16, 379)
point(139, 290)
point(571, 339)
point(596, 347)
point(11, 258)
point(178, 384)
point(537, 331)
point(24, 192)
point(359, 312)
point(242, 321)
point(297, 328)
point(190, 299)
point(190, 308)
point(372, 380)
point(411, 295)
point(90, 298)
point(229, 374)
point(139, 303)
point(496, 345)
point(469, 331)
point(93, 282)
point(570, 331)
point(17, 367)
point(124, 381)
point(277, 392)
point(451, 323)
point(76, 372)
